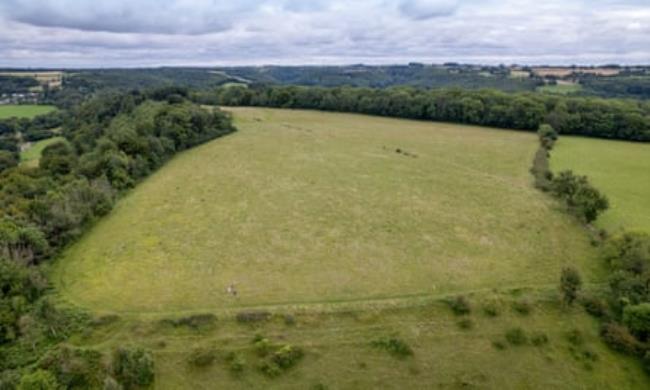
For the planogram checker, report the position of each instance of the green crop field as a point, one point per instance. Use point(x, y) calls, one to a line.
point(347, 229)
point(620, 169)
point(23, 110)
point(31, 156)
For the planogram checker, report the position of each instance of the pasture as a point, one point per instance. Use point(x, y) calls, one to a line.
point(32, 155)
point(619, 169)
point(320, 221)
point(23, 110)
point(303, 207)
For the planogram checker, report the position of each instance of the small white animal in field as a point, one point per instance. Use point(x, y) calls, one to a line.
point(231, 290)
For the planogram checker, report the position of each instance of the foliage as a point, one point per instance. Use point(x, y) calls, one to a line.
point(281, 360)
point(251, 317)
point(394, 346)
point(133, 367)
point(539, 339)
point(618, 337)
point(195, 321)
point(522, 306)
point(516, 336)
point(78, 368)
point(595, 306)
point(570, 284)
point(581, 197)
point(460, 305)
point(588, 117)
point(202, 357)
point(38, 380)
point(637, 319)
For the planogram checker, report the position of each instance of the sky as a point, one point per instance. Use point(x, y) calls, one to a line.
point(142, 33)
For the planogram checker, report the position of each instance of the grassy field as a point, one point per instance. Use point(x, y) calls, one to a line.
point(319, 221)
point(23, 110)
point(306, 207)
point(31, 156)
point(560, 89)
point(620, 169)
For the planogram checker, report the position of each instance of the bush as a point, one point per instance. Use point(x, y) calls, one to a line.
point(575, 337)
point(539, 339)
point(595, 306)
point(38, 380)
point(133, 367)
point(248, 317)
point(287, 356)
point(195, 321)
point(262, 345)
point(466, 324)
point(236, 363)
point(460, 305)
point(202, 357)
point(394, 346)
point(491, 309)
point(516, 336)
point(619, 338)
point(523, 307)
point(637, 319)
point(282, 359)
point(646, 361)
point(570, 284)
point(498, 344)
point(74, 367)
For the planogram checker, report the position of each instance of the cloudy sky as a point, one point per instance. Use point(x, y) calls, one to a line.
point(103, 33)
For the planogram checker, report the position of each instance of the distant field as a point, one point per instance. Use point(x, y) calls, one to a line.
point(23, 110)
point(560, 89)
point(31, 156)
point(620, 169)
point(308, 207)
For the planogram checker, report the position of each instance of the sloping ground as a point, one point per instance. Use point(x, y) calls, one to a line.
point(619, 169)
point(305, 207)
point(318, 213)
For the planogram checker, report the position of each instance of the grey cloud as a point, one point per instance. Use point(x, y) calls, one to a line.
point(129, 16)
point(427, 9)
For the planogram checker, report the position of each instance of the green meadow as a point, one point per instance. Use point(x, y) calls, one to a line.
point(307, 207)
point(619, 169)
point(32, 155)
point(345, 229)
point(23, 110)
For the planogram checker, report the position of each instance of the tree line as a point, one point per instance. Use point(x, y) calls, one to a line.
point(591, 117)
point(111, 143)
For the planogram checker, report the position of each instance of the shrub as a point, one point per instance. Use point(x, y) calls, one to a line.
point(539, 339)
point(248, 317)
point(111, 384)
point(595, 306)
point(394, 346)
point(637, 319)
point(195, 321)
point(498, 344)
point(570, 284)
point(618, 337)
point(575, 337)
point(133, 367)
point(491, 309)
point(236, 363)
point(202, 357)
point(282, 359)
point(74, 367)
point(287, 356)
point(460, 305)
point(466, 323)
point(262, 345)
point(523, 307)
point(38, 380)
point(516, 336)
